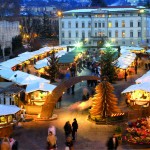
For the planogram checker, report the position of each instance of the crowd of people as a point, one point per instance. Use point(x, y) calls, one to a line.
point(70, 135)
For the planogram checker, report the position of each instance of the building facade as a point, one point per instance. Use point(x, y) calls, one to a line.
point(119, 25)
point(8, 30)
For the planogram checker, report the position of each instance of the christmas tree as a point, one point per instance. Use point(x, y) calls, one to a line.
point(104, 102)
point(53, 66)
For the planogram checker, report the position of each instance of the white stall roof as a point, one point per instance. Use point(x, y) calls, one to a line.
point(144, 78)
point(43, 63)
point(10, 63)
point(28, 55)
point(125, 60)
point(22, 78)
point(8, 109)
point(40, 86)
point(6, 73)
point(143, 86)
point(148, 51)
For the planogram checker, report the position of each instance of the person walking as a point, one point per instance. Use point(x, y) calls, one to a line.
point(112, 143)
point(74, 129)
point(69, 143)
point(5, 145)
point(67, 129)
point(51, 141)
point(125, 75)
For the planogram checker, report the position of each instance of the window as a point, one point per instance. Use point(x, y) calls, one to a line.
point(95, 24)
point(123, 15)
point(69, 34)
point(63, 35)
point(131, 23)
point(83, 25)
point(116, 34)
point(139, 34)
point(89, 25)
point(116, 24)
point(123, 23)
point(76, 16)
point(99, 24)
point(103, 25)
point(123, 42)
point(82, 16)
point(69, 24)
point(139, 23)
point(76, 24)
point(83, 34)
point(109, 34)
point(109, 15)
point(131, 34)
point(62, 24)
point(109, 24)
point(89, 34)
point(123, 34)
point(77, 34)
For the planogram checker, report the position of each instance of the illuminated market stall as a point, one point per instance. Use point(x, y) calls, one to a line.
point(9, 115)
point(125, 62)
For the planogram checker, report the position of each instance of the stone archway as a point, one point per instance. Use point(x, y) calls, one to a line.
point(51, 100)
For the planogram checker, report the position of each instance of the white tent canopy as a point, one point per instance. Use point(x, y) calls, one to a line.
point(10, 63)
point(142, 86)
point(22, 78)
point(125, 60)
point(40, 86)
point(6, 73)
point(43, 63)
point(144, 78)
point(8, 109)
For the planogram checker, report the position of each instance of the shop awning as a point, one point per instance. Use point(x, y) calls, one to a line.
point(40, 86)
point(8, 109)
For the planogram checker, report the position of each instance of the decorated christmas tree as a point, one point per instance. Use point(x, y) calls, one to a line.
point(104, 102)
point(53, 66)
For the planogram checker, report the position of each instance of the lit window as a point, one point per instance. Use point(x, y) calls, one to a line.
point(109, 24)
point(123, 24)
point(123, 34)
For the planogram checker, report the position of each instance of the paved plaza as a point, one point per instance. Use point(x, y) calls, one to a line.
point(32, 134)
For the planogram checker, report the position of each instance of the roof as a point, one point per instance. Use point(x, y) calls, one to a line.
point(8, 109)
point(38, 86)
point(143, 86)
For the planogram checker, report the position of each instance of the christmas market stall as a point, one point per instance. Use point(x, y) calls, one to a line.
point(9, 115)
point(36, 94)
point(10, 94)
point(125, 64)
point(138, 94)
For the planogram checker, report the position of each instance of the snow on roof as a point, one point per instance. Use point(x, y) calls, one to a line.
point(8, 109)
point(10, 63)
point(23, 78)
point(144, 78)
point(143, 86)
point(6, 73)
point(43, 63)
point(125, 60)
point(40, 86)
point(102, 9)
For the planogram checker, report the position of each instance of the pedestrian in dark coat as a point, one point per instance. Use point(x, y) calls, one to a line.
point(67, 129)
point(74, 128)
point(112, 143)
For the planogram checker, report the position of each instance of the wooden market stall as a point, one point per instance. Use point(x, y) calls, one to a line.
point(9, 116)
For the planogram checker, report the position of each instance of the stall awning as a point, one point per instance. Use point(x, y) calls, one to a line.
point(38, 86)
point(8, 109)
